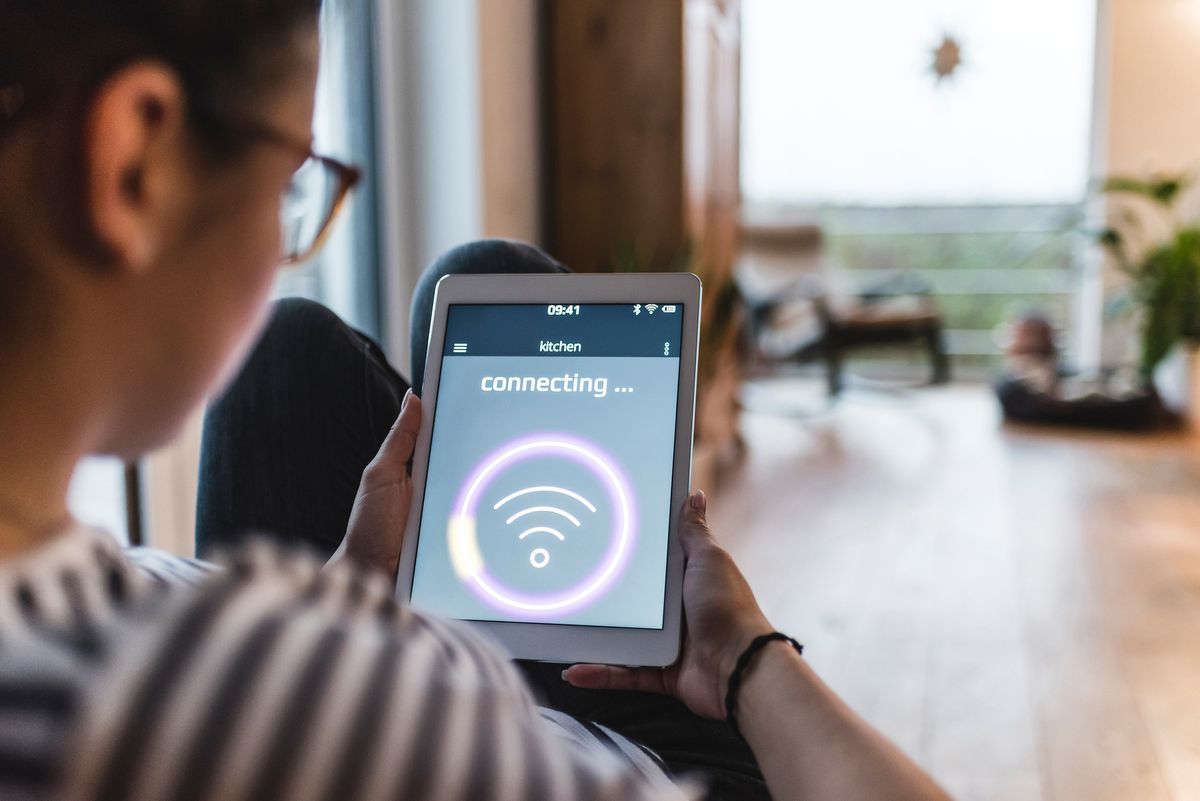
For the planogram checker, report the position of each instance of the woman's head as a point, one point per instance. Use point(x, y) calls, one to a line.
point(145, 146)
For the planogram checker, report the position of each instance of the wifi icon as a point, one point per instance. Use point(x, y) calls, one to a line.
point(546, 515)
point(651, 307)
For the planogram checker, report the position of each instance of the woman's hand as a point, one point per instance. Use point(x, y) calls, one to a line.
point(720, 615)
point(380, 514)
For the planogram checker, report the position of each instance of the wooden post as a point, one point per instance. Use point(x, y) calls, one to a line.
point(642, 109)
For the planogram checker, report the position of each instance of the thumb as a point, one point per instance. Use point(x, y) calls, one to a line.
point(401, 440)
point(612, 677)
point(693, 523)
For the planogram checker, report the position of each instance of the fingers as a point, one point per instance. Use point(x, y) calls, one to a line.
point(401, 440)
point(610, 677)
point(693, 525)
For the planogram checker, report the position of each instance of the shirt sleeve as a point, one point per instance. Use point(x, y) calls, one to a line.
point(278, 680)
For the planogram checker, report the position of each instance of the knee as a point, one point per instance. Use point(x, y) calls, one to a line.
point(491, 256)
point(498, 256)
point(482, 257)
point(294, 318)
point(295, 325)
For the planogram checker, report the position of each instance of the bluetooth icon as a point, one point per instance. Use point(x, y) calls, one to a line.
point(637, 309)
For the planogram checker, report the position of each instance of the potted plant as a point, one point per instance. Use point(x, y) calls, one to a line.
point(1154, 238)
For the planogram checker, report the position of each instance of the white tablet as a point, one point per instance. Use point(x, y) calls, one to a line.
point(553, 459)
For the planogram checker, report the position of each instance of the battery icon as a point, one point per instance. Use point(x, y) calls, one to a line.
point(668, 309)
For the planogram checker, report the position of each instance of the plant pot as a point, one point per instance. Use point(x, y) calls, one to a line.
point(1177, 381)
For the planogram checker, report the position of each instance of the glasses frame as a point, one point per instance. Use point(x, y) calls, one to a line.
point(348, 176)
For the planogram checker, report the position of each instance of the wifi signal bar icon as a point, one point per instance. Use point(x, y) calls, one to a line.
point(651, 307)
point(540, 557)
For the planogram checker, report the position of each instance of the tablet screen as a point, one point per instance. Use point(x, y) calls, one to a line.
point(548, 489)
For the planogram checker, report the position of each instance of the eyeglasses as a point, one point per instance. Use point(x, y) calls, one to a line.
point(316, 194)
point(312, 201)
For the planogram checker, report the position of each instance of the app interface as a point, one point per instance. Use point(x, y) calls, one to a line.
point(548, 492)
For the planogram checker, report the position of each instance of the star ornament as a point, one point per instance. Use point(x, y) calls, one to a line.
point(947, 58)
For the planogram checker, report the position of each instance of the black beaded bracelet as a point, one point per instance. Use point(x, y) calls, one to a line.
point(739, 668)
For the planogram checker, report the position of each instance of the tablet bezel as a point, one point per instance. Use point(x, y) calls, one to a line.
point(550, 642)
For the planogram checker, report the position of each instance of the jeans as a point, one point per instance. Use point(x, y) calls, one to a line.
point(284, 448)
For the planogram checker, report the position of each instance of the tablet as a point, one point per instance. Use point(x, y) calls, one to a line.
point(553, 460)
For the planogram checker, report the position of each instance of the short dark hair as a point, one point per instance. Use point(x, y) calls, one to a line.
point(58, 52)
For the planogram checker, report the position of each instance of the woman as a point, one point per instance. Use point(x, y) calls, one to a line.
point(145, 148)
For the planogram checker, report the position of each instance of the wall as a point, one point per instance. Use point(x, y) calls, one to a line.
point(1153, 85)
point(169, 480)
point(510, 118)
point(1148, 119)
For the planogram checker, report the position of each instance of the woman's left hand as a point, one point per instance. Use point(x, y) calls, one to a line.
point(380, 514)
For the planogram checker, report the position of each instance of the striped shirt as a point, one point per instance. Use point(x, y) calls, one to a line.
point(134, 675)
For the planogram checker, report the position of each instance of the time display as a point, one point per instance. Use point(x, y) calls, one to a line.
point(557, 310)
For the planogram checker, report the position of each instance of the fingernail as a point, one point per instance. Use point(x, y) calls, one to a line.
point(699, 502)
point(407, 395)
point(564, 674)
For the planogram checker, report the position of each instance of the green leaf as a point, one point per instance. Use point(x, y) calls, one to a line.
point(1162, 190)
point(1168, 286)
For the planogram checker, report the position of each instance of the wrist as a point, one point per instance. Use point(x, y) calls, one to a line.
point(366, 555)
point(727, 661)
point(775, 667)
point(743, 667)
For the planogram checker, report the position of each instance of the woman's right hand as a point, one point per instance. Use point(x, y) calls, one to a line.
point(721, 617)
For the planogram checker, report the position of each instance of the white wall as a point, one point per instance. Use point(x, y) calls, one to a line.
point(169, 484)
point(1154, 86)
point(1148, 120)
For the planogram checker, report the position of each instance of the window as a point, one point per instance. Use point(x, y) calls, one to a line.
point(974, 181)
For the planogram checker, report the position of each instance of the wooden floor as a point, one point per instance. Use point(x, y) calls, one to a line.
point(1019, 609)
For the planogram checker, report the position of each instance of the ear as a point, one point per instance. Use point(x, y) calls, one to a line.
point(133, 131)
